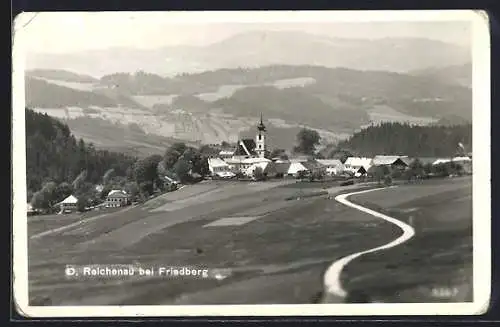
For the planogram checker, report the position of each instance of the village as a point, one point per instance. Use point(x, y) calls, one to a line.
point(249, 161)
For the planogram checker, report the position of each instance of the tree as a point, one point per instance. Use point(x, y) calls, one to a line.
point(173, 154)
point(277, 153)
point(79, 180)
point(132, 189)
point(146, 188)
point(39, 200)
point(146, 173)
point(307, 140)
point(302, 174)
point(182, 169)
point(107, 176)
point(82, 203)
point(258, 174)
point(62, 191)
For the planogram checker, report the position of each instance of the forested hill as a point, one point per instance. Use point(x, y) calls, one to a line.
point(53, 154)
point(405, 139)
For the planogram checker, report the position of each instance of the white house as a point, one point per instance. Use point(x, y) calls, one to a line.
point(219, 168)
point(392, 161)
point(250, 164)
point(357, 165)
point(295, 168)
point(116, 198)
point(332, 166)
point(68, 205)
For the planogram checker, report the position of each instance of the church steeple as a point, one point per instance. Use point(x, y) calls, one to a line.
point(260, 139)
point(261, 126)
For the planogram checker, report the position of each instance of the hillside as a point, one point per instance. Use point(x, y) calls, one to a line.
point(404, 139)
point(44, 94)
point(260, 48)
point(455, 74)
point(61, 75)
point(54, 154)
point(216, 106)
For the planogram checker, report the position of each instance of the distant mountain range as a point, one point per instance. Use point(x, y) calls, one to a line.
point(261, 48)
point(216, 93)
point(456, 74)
point(224, 104)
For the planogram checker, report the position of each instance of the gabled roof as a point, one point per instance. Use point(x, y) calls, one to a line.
point(358, 162)
point(461, 159)
point(281, 167)
point(329, 162)
point(427, 160)
point(387, 160)
point(216, 162)
point(69, 200)
point(295, 167)
point(313, 164)
point(254, 160)
point(244, 146)
point(227, 152)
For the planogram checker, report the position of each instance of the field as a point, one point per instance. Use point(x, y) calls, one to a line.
point(436, 264)
point(276, 249)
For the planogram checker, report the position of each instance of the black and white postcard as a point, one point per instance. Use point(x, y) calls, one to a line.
point(251, 163)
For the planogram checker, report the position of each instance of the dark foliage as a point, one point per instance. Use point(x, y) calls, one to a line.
point(416, 141)
point(54, 154)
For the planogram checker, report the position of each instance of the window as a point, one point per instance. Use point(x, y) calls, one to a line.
point(260, 136)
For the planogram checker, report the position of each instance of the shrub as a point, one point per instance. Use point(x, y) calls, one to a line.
point(388, 180)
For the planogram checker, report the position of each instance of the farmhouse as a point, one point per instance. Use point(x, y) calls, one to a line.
point(357, 165)
point(393, 162)
point(332, 166)
point(117, 198)
point(68, 205)
point(219, 168)
point(295, 168)
point(465, 162)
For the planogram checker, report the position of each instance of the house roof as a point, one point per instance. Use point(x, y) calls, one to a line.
point(117, 194)
point(295, 167)
point(300, 158)
point(387, 160)
point(441, 161)
point(427, 160)
point(358, 162)
point(227, 152)
point(329, 162)
point(281, 167)
point(254, 160)
point(69, 200)
point(216, 162)
point(313, 164)
point(461, 159)
point(244, 146)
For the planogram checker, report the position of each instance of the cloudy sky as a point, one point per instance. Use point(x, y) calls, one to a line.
point(70, 32)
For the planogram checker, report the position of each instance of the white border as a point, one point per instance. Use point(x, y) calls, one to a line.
point(481, 178)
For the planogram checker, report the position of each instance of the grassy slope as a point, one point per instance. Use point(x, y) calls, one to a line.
point(277, 259)
point(439, 255)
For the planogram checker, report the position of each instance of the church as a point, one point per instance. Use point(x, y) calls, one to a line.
point(248, 155)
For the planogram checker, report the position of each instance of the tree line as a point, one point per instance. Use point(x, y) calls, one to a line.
point(406, 139)
point(59, 165)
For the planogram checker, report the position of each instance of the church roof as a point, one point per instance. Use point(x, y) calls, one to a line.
point(249, 144)
point(261, 126)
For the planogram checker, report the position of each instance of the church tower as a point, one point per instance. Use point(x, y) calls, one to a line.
point(260, 139)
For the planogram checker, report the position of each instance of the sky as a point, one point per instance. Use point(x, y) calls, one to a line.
point(66, 32)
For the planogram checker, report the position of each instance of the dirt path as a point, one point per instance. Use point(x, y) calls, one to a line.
point(333, 288)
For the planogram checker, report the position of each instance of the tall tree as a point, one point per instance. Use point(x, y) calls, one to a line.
point(307, 140)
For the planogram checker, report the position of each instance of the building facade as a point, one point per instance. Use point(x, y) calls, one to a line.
point(117, 198)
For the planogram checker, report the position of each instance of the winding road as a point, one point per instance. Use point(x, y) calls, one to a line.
point(333, 288)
